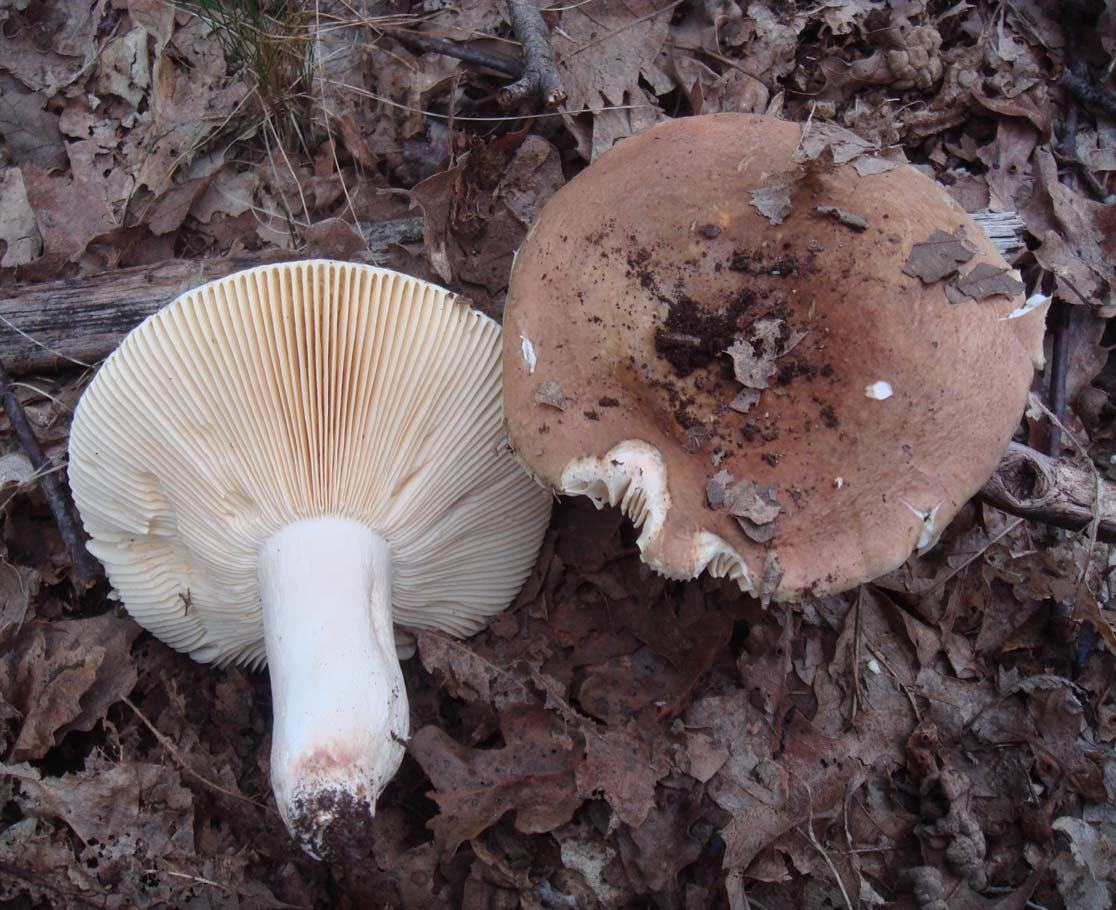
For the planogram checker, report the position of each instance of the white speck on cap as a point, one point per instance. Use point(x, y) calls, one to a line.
point(879, 390)
point(528, 350)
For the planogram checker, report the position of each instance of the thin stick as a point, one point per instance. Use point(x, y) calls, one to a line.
point(180, 759)
point(84, 568)
point(432, 45)
point(1059, 366)
point(540, 70)
point(812, 839)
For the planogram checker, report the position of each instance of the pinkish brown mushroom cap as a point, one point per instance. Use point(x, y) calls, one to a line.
point(795, 403)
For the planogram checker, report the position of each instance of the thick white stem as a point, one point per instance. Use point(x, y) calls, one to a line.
point(340, 707)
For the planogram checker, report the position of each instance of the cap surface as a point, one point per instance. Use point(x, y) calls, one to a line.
point(296, 391)
point(653, 297)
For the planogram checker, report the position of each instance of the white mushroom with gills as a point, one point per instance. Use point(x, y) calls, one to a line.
point(284, 463)
point(782, 369)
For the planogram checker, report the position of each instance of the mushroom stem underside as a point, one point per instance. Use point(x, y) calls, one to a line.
point(339, 702)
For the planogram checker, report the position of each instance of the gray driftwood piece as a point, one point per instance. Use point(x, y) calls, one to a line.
point(53, 324)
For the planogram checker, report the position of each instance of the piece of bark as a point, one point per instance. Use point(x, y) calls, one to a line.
point(81, 320)
point(1051, 490)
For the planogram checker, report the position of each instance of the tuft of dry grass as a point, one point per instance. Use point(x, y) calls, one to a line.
point(270, 42)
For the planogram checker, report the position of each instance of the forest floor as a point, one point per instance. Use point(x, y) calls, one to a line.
point(942, 737)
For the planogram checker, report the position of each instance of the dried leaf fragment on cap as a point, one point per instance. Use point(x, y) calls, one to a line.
point(753, 506)
point(850, 219)
point(550, 393)
point(829, 144)
point(749, 367)
point(755, 509)
point(937, 257)
point(746, 499)
point(697, 436)
point(772, 197)
point(716, 487)
point(772, 576)
point(745, 400)
point(766, 333)
point(985, 280)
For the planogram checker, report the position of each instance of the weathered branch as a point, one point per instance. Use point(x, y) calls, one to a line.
point(1052, 490)
point(44, 326)
point(540, 71)
point(81, 320)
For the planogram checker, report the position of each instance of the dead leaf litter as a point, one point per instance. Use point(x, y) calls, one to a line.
point(940, 738)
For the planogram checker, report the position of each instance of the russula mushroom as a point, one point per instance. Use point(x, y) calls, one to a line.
point(278, 466)
point(786, 368)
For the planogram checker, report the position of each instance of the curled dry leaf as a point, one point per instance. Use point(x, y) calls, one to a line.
point(624, 769)
point(826, 144)
point(63, 676)
point(533, 776)
point(467, 675)
point(772, 575)
point(766, 332)
point(606, 55)
point(112, 803)
point(697, 435)
point(655, 852)
point(19, 231)
point(752, 505)
point(1084, 870)
point(745, 400)
point(119, 835)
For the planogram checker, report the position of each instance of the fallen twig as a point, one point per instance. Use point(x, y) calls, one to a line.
point(180, 759)
point(812, 839)
point(540, 70)
point(433, 45)
point(1059, 366)
point(84, 567)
